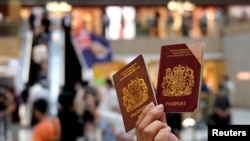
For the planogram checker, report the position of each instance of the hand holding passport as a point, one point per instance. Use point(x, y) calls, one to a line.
point(178, 85)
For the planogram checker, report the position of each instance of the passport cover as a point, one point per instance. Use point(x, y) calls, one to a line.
point(134, 90)
point(179, 77)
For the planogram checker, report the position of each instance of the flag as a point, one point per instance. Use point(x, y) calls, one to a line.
point(91, 48)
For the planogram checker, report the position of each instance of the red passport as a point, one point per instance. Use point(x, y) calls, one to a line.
point(179, 77)
point(134, 90)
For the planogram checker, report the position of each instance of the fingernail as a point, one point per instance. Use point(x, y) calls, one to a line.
point(160, 107)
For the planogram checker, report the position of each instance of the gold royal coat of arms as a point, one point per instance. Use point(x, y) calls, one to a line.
point(178, 81)
point(135, 94)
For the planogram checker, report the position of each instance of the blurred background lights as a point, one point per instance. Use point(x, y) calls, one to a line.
point(243, 75)
point(180, 6)
point(188, 122)
point(55, 6)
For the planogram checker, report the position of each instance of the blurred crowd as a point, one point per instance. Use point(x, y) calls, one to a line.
point(92, 113)
point(87, 113)
point(216, 105)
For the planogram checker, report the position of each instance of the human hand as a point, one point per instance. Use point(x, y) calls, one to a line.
point(151, 125)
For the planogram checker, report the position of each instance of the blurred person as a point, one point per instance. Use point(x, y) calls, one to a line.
point(3, 107)
point(174, 120)
point(69, 120)
point(47, 129)
point(204, 87)
point(110, 117)
point(13, 119)
point(170, 21)
point(105, 24)
point(31, 20)
point(3, 104)
point(46, 25)
point(25, 93)
point(79, 97)
point(79, 101)
point(24, 113)
point(152, 125)
point(10, 114)
point(222, 109)
point(37, 91)
point(91, 98)
point(206, 100)
point(109, 110)
point(111, 93)
point(203, 23)
point(37, 35)
point(186, 23)
point(66, 22)
point(108, 100)
point(229, 88)
point(154, 25)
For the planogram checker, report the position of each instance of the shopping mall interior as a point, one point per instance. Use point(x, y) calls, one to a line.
point(64, 42)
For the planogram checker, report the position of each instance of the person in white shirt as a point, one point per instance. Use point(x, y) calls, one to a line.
point(37, 91)
point(109, 112)
point(230, 88)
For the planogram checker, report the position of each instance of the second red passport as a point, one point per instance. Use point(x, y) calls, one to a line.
point(179, 76)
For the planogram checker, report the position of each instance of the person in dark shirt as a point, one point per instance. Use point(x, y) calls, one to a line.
point(3, 105)
point(45, 22)
point(222, 110)
point(174, 120)
point(25, 94)
point(32, 19)
point(204, 86)
point(69, 120)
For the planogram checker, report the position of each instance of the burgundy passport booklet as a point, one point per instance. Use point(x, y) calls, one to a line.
point(134, 90)
point(179, 77)
point(178, 84)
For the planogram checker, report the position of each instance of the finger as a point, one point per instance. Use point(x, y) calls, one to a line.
point(144, 112)
point(153, 114)
point(163, 134)
point(139, 131)
point(151, 130)
point(163, 118)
